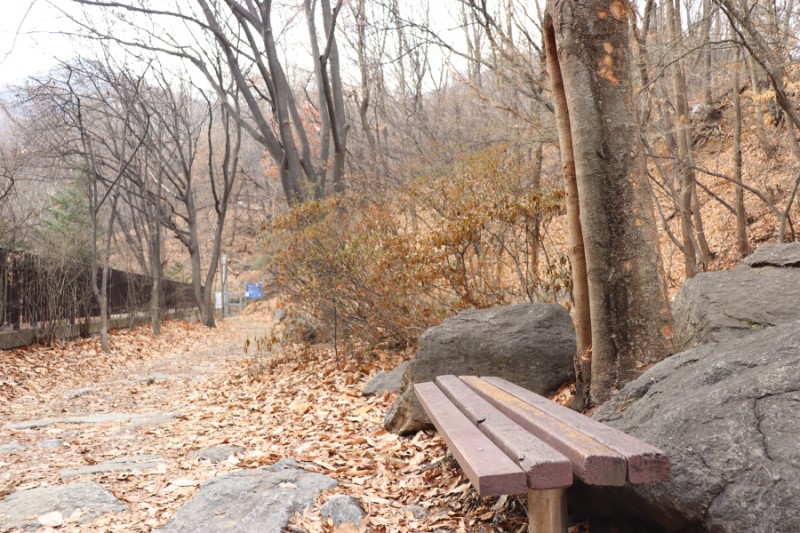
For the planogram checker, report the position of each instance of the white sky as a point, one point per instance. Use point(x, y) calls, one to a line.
point(30, 44)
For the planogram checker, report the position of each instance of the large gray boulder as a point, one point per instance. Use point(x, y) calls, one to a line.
point(531, 345)
point(761, 292)
point(726, 414)
point(260, 500)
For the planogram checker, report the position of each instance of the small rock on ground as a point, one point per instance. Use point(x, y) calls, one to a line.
point(343, 510)
point(20, 510)
point(386, 381)
point(11, 447)
point(417, 511)
point(50, 444)
point(217, 454)
point(139, 462)
point(71, 395)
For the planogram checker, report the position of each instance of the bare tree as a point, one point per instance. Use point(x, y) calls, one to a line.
point(771, 62)
point(244, 32)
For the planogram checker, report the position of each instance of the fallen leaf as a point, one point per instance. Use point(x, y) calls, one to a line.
point(54, 519)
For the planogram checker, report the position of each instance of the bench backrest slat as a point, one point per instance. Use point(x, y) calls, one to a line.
point(491, 472)
point(646, 463)
point(592, 462)
point(545, 467)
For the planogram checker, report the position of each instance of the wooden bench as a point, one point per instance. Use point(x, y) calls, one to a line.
point(509, 440)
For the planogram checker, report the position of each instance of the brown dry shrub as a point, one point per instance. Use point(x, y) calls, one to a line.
point(383, 269)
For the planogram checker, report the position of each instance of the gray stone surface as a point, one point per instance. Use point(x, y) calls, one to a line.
point(71, 395)
point(151, 419)
point(389, 381)
point(529, 344)
point(246, 501)
point(761, 292)
point(417, 511)
point(785, 254)
point(216, 454)
point(51, 444)
point(137, 462)
point(19, 510)
point(343, 510)
point(11, 447)
point(726, 414)
point(135, 419)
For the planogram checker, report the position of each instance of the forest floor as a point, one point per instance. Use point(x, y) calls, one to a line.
point(196, 388)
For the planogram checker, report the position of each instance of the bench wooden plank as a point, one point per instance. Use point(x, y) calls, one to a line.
point(491, 472)
point(545, 467)
point(592, 462)
point(646, 463)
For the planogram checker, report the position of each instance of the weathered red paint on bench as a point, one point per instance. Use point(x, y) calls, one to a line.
point(545, 467)
point(646, 463)
point(491, 472)
point(592, 462)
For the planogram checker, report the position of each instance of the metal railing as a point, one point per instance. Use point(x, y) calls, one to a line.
point(41, 292)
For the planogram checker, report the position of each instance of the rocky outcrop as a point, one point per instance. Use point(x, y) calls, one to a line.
point(531, 345)
point(726, 414)
point(761, 292)
point(260, 500)
point(74, 503)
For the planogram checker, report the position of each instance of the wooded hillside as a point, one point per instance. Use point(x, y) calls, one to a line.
point(386, 164)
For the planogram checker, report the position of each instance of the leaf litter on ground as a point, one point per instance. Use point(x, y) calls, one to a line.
point(294, 401)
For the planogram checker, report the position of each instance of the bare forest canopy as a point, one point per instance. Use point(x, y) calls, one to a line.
point(388, 163)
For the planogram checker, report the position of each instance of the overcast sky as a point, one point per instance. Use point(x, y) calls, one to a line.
point(29, 42)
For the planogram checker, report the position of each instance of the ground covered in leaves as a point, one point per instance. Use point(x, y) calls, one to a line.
point(277, 401)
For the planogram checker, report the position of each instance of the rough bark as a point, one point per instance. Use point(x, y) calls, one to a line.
point(742, 245)
point(630, 314)
point(580, 285)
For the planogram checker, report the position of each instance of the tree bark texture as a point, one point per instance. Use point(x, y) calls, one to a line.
point(577, 254)
point(630, 313)
point(742, 244)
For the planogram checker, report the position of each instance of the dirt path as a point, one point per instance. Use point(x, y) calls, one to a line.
point(152, 406)
point(138, 408)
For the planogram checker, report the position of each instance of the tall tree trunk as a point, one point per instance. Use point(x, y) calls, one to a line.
point(708, 16)
point(631, 321)
point(682, 136)
point(155, 268)
point(742, 245)
point(577, 255)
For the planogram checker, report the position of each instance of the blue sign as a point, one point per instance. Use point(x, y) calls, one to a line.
point(252, 291)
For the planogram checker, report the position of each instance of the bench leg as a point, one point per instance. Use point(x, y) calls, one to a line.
point(547, 511)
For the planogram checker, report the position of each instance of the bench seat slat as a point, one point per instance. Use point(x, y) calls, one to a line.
point(646, 463)
point(592, 462)
point(545, 467)
point(491, 472)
